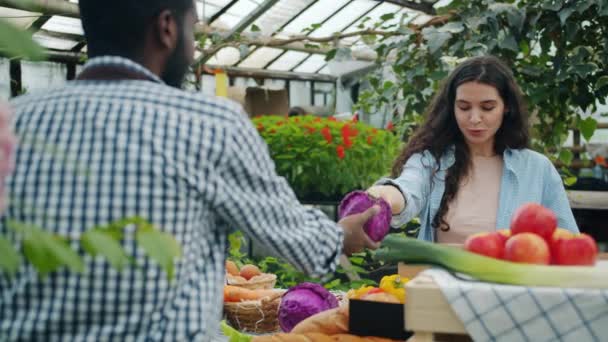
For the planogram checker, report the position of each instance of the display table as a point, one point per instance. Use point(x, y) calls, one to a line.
point(500, 312)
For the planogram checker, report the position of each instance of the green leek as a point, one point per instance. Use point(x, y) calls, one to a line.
point(398, 248)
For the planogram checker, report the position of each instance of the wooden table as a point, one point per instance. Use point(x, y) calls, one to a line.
point(427, 312)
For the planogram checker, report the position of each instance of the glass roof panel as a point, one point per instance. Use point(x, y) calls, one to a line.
point(50, 42)
point(344, 18)
point(18, 18)
point(325, 70)
point(279, 14)
point(288, 60)
point(236, 13)
point(225, 56)
point(260, 57)
point(312, 64)
point(314, 14)
point(64, 25)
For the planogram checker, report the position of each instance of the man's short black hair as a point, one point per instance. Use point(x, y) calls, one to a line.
point(118, 27)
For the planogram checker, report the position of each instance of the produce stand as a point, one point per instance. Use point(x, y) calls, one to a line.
point(429, 314)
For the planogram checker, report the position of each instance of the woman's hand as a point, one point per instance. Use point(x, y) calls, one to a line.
point(390, 194)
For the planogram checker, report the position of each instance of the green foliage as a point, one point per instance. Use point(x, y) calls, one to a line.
point(319, 155)
point(18, 43)
point(557, 49)
point(48, 252)
point(9, 258)
point(288, 276)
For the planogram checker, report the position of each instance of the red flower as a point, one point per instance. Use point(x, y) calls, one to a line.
point(317, 119)
point(374, 131)
point(347, 142)
point(280, 123)
point(327, 134)
point(260, 127)
point(297, 119)
point(273, 131)
point(390, 126)
point(348, 132)
point(369, 139)
point(331, 118)
point(310, 129)
point(340, 151)
point(356, 117)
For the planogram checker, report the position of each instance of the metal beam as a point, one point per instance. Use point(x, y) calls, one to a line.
point(251, 17)
point(286, 75)
point(71, 57)
point(222, 11)
point(344, 29)
point(242, 25)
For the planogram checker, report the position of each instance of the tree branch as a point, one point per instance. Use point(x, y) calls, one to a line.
point(424, 7)
point(289, 42)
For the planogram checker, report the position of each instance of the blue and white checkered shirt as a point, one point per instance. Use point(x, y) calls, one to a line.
point(97, 151)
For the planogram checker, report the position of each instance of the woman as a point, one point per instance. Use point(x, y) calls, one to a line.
point(468, 168)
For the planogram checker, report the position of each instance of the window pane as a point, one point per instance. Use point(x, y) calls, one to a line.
point(260, 57)
point(288, 60)
point(64, 25)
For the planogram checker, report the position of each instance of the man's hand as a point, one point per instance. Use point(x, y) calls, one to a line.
point(355, 238)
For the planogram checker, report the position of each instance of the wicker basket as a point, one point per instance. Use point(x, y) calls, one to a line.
point(260, 282)
point(255, 316)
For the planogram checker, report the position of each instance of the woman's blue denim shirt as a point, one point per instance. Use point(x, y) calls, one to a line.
point(528, 176)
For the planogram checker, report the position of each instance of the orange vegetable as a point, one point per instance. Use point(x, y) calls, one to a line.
point(239, 294)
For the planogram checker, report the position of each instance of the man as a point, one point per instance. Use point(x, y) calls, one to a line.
point(192, 165)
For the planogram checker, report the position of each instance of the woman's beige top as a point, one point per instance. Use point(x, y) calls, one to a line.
point(475, 206)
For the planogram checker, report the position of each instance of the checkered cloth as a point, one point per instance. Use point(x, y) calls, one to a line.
point(95, 151)
point(492, 312)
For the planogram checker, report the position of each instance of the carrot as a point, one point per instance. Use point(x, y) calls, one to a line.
point(239, 294)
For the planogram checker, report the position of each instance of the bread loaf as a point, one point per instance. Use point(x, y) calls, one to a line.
point(291, 337)
point(316, 337)
point(330, 322)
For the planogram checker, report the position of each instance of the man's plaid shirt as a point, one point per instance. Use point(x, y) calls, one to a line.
point(97, 151)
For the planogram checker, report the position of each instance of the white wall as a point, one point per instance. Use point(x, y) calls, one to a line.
point(5, 79)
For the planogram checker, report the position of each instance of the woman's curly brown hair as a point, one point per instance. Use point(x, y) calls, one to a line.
point(440, 130)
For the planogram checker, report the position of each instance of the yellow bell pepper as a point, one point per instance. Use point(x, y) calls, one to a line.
point(358, 293)
point(394, 285)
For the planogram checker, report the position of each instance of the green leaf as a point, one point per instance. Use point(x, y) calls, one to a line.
point(452, 27)
point(500, 7)
point(601, 82)
point(570, 181)
point(587, 127)
point(435, 39)
point(9, 258)
point(255, 28)
point(159, 246)
point(583, 70)
point(330, 54)
point(565, 14)
point(233, 334)
point(553, 5)
point(509, 43)
point(46, 251)
point(516, 19)
point(566, 156)
point(387, 16)
point(102, 242)
point(16, 42)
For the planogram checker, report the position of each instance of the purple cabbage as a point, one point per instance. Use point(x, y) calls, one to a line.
point(359, 201)
point(303, 301)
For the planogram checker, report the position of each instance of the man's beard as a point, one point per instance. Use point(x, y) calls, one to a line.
point(177, 66)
